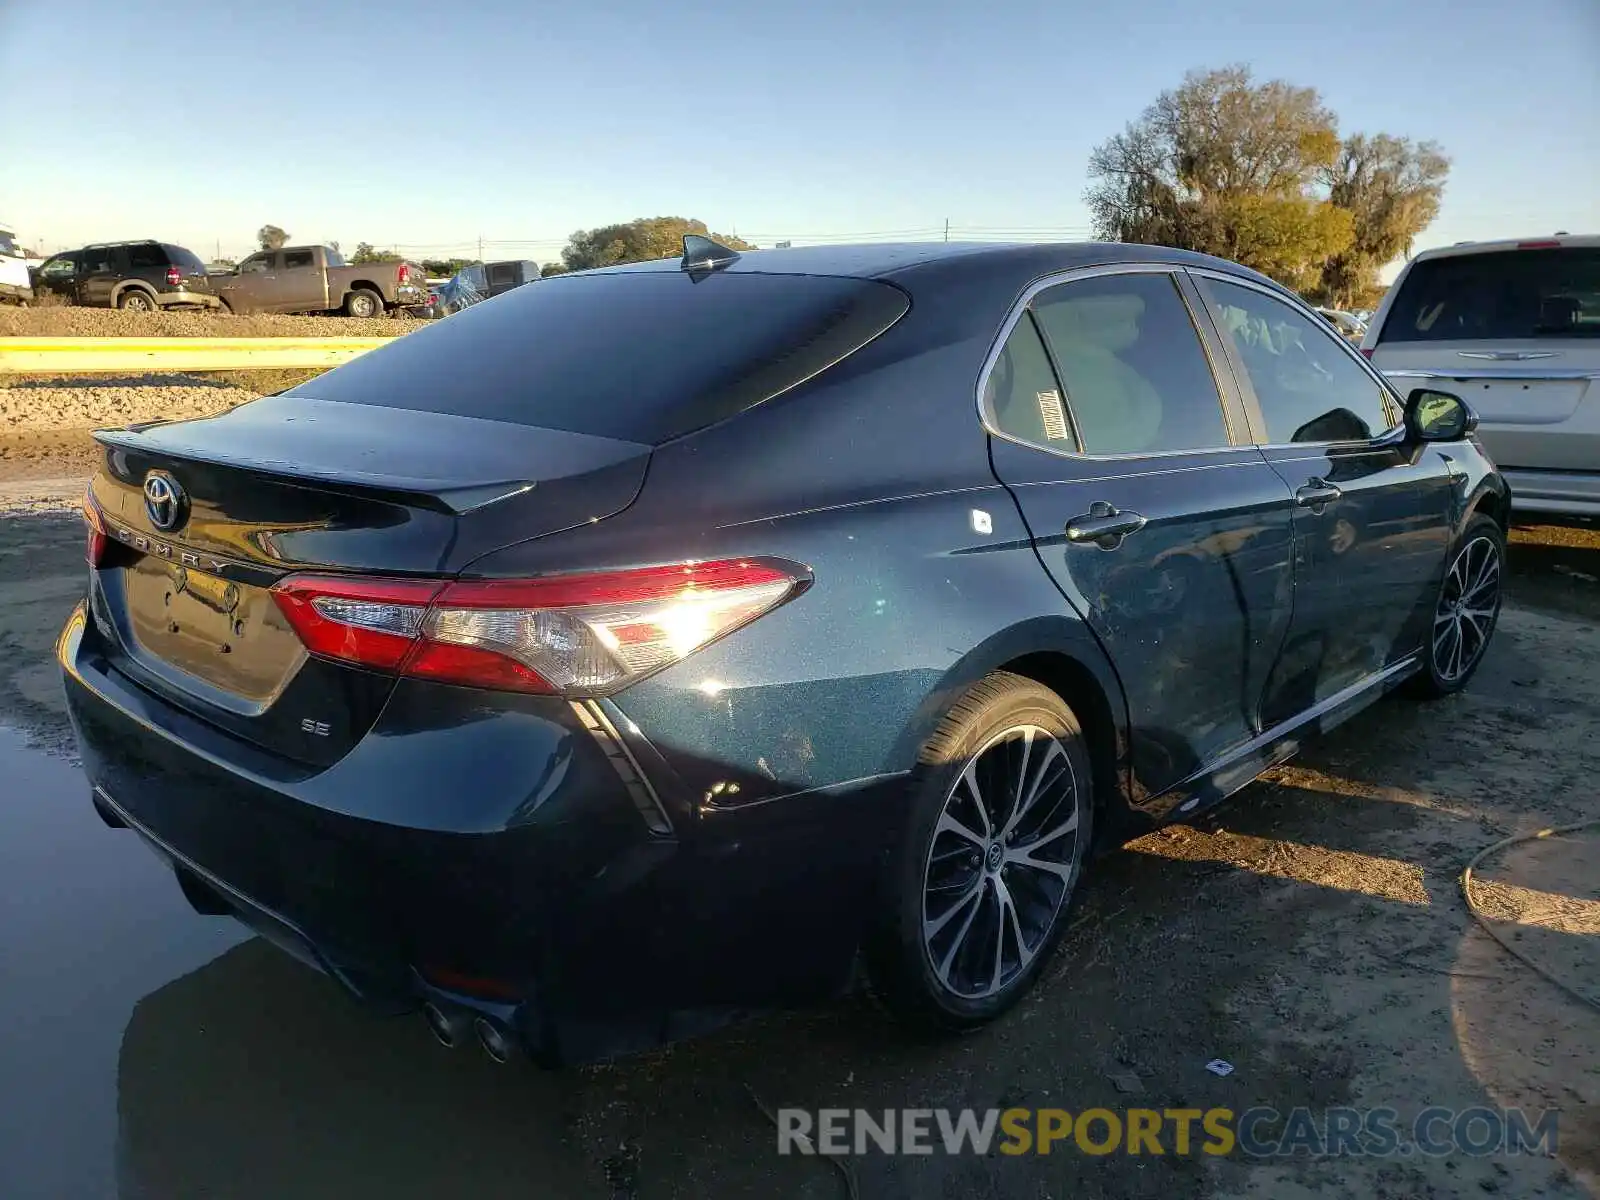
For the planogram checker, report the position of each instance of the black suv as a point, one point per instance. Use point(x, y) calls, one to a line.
point(139, 276)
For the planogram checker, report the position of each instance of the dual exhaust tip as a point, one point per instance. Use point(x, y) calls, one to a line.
point(452, 1029)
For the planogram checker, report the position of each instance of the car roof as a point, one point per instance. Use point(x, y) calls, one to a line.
point(1536, 242)
point(894, 260)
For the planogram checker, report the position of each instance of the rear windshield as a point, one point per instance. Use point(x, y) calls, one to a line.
point(186, 259)
point(642, 356)
point(1499, 295)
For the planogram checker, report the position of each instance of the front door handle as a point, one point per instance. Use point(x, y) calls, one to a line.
point(1316, 493)
point(1105, 525)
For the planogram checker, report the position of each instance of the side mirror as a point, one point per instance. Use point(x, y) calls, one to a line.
point(1434, 416)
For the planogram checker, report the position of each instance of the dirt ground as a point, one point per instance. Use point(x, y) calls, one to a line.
point(1312, 933)
point(69, 321)
point(45, 421)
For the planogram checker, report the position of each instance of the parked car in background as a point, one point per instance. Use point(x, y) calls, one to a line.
point(16, 285)
point(1348, 324)
point(310, 279)
point(666, 641)
point(1514, 327)
point(140, 276)
point(480, 281)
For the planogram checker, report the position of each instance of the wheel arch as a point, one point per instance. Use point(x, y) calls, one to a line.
point(1065, 657)
point(1494, 503)
point(133, 285)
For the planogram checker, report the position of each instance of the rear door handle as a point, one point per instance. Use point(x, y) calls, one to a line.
point(1316, 493)
point(1105, 525)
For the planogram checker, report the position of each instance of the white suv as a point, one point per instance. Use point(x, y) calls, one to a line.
point(1513, 328)
point(15, 284)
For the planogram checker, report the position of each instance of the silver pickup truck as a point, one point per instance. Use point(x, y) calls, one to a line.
point(304, 279)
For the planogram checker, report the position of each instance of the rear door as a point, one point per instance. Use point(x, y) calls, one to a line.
point(101, 268)
point(1164, 528)
point(1515, 331)
point(301, 284)
point(1373, 512)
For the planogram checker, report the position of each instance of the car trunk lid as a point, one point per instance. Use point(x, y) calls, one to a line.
point(288, 484)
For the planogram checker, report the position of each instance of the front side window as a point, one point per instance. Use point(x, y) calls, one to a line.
point(57, 268)
point(1022, 397)
point(1307, 384)
point(256, 262)
point(97, 260)
point(1136, 376)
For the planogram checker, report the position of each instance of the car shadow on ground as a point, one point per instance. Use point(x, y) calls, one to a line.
point(1314, 918)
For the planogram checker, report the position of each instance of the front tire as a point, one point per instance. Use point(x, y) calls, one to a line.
point(363, 302)
point(977, 890)
point(1466, 611)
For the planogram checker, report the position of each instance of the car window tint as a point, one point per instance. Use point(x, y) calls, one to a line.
point(1309, 387)
point(297, 258)
point(57, 268)
point(143, 257)
point(1136, 376)
point(97, 259)
point(502, 273)
point(1498, 295)
point(256, 262)
point(185, 259)
point(1022, 396)
point(643, 355)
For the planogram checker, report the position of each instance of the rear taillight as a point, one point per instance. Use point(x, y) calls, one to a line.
point(403, 273)
point(174, 277)
point(570, 635)
point(95, 542)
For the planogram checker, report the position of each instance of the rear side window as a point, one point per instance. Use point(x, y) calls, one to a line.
point(1022, 396)
point(1136, 377)
point(641, 356)
point(297, 258)
point(1498, 295)
point(146, 255)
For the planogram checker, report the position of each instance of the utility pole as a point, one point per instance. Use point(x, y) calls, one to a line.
point(947, 229)
point(480, 247)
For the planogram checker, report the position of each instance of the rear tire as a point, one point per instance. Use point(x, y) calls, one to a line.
point(1465, 612)
point(136, 300)
point(976, 893)
point(363, 302)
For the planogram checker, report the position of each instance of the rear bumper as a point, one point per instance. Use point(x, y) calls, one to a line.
point(1557, 493)
point(496, 863)
point(185, 296)
point(15, 291)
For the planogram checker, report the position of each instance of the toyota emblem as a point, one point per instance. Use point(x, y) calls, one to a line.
point(163, 500)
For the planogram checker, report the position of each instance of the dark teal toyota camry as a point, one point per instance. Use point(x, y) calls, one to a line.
point(650, 645)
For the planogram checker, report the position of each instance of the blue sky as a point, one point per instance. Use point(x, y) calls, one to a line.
point(429, 123)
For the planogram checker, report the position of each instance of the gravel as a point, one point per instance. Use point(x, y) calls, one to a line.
point(110, 322)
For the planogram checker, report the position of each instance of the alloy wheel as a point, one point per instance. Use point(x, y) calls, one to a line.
point(1468, 605)
point(1003, 860)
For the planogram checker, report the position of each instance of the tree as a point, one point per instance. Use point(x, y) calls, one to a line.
point(637, 241)
point(444, 268)
point(1391, 188)
point(271, 237)
point(552, 268)
point(1229, 167)
point(366, 254)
